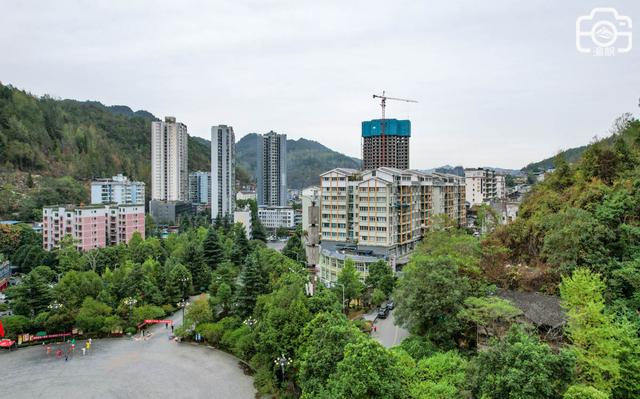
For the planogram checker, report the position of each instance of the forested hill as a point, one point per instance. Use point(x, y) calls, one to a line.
point(43, 140)
point(306, 159)
point(571, 155)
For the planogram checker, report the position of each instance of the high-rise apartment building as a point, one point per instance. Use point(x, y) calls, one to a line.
point(481, 185)
point(200, 187)
point(169, 154)
point(381, 214)
point(388, 150)
point(272, 169)
point(117, 190)
point(93, 226)
point(223, 171)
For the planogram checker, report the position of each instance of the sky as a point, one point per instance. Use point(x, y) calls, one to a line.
point(498, 83)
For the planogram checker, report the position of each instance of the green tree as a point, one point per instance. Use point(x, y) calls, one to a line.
point(68, 256)
point(377, 297)
point(253, 282)
point(322, 347)
point(15, 325)
point(381, 277)
point(75, 286)
point(491, 314)
point(212, 250)
point(194, 260)
point(241, 247)
point(520, 366)
point(440, 376)
point(198, 311)
point(92, 315)
point(147, 312)
point(30, 297)
point(584, 392)
point(294, 248)
point(178, 285)
point(429, 296)
point(349, 278)
point(367, 371)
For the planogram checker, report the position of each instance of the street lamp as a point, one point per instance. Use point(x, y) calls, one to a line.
point(182, 304)
point(55, 305)
point(250, 322)
point(130, 302)
point(283, 361)
point(184, 280)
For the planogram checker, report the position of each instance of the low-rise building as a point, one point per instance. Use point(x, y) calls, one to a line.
point(480, 185)
point(93, 226)
point(245, 195)
point(243, 216)
point(117, 190)
point(169, 212)
point(274, 217)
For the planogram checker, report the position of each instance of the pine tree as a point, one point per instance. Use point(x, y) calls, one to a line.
point(253, 282)
point(258, 231)
point(194, 261)
point(294, 249)
point(240, 245)
point(30, 297)
point(212, 250)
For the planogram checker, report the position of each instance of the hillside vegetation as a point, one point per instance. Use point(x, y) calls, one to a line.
point(49, 148)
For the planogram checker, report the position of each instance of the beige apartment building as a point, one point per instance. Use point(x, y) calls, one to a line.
point(381, 214)
point(169, 154)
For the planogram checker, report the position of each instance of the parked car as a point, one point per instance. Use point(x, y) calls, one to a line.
point(391, 305)
point(383, 312)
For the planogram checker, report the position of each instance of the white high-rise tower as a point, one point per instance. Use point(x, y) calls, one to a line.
point(169, 154)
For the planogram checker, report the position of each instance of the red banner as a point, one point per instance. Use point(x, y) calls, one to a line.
point(1, 329)
point(38, 338)
point(158, 321)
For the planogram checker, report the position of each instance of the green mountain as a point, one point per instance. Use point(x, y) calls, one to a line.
point(306, 159)
point(47, 145)
point(571, 155)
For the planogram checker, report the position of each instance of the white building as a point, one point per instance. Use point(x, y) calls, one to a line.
point(501, 186)
point(244, 218)
point(200, 187)
point(117, 190)
point(381, 214)
point(273, 217)
point(223, 171)
point(169, 153)
point(309, 197)
point(480, 185)
point(245, 195)
point(272, 169)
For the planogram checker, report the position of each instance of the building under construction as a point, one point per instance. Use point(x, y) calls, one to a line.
point(385, 143)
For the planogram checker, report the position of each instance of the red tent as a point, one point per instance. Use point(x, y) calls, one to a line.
point(1, 329)
point(6, 343)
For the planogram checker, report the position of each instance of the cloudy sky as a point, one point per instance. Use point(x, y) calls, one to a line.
point(498, 83)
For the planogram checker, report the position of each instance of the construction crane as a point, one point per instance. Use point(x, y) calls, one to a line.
point(383, 104)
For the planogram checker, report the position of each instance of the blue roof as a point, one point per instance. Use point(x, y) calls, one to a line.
point(392, 127)
point(10, 222)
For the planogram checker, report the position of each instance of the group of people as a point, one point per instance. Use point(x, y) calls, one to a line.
point(70, 349)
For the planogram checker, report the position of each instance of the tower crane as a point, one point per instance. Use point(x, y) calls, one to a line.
point(383, 104)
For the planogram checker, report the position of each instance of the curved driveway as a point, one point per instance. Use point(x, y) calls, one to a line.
point(125, 368)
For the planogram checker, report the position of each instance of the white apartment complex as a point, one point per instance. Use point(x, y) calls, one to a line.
point(117, 190)
point(481, 185)
point(200, 187)
point(501, 186)
point(381, 214)
point(169, 154)
point(273, 217)
point(223, 171)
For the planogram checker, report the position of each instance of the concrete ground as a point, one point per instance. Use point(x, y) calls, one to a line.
point(155, 367)
point(388, 334)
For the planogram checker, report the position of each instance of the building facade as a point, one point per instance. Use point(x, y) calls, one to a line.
point(117, 190)
point(200, 188)
point(169, 154)
point(94, 226)
point(273, 217)
point(223, 171)
point(381, 214)
point(272, 169)
point(481, 185)
point(501, 186)
point(390, 149)
point(170, 212)
point(243, 216)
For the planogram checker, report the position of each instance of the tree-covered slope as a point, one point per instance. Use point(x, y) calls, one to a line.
point(306, 159)
point(43, 136)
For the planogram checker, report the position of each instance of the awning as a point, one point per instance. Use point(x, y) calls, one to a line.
point(6, 343)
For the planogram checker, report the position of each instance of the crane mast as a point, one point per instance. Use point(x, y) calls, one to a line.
point(383, 104)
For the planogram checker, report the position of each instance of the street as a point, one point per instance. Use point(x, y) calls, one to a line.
point(388, 334)
point(125, 368)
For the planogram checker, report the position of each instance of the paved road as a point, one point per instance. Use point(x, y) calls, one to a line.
point(125, 368)
point(388, 334)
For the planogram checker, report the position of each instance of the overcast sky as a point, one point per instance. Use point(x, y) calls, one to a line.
point(498, 82)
